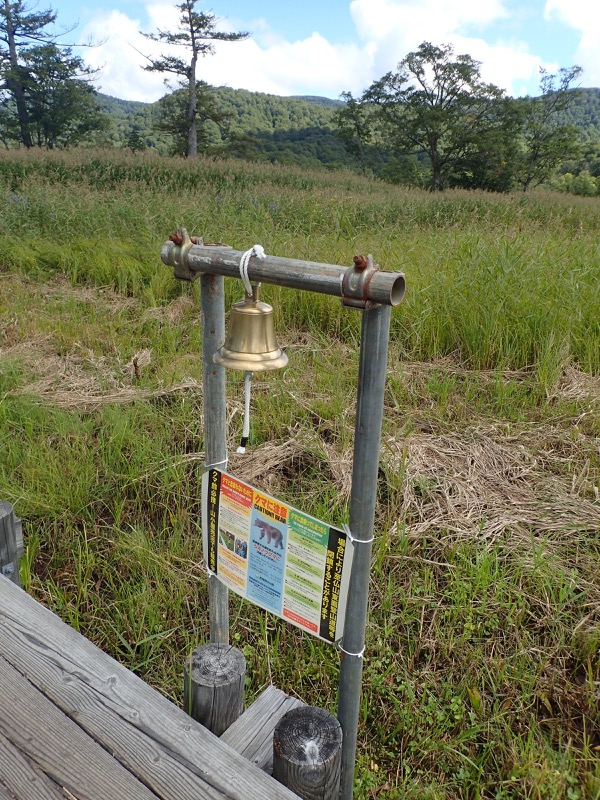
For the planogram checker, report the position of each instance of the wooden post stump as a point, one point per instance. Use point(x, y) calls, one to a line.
point(9, 557)
point(213, 691)
point(307, 753)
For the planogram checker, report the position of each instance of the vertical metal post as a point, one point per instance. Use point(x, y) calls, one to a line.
point(212, 300)
point(367, 441)
point(10, 532)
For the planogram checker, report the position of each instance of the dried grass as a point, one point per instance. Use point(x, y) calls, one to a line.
point(60, 287)
point(577, 385)
point(485, 486)
point(484, 483)
point(88, 400)
point(573, 384)
point(174, 312)
point(82, 380)
point(481, 485)
point(101, 296)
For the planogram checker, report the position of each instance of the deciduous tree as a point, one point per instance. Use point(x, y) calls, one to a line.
point(547, 143)
point(437, 104)
point(354, 128)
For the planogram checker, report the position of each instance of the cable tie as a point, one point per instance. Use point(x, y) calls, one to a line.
point(259, 252)
point(207, 569)
point(353, 540)
point(354, 655)
point(217, 464)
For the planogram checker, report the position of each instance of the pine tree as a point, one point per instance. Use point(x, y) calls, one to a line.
point(196, 32)
point(45, 96)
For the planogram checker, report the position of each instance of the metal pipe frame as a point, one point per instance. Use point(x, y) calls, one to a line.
point(190, 260)
point(365, 467)
point(212, 300)
point(379, 292)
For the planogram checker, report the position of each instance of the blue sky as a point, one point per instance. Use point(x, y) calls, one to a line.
point(324, 47)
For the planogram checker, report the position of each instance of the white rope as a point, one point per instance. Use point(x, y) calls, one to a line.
point(257, 251)
point(246, 429)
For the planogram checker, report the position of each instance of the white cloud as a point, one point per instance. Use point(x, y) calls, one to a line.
point(584, 17)
point(422, 19)
point(309, 66)
point(386, 31)
point(266, 63)
point(119, 57)
point(397, 27)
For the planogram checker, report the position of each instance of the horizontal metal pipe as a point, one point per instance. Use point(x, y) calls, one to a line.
point(385, 288)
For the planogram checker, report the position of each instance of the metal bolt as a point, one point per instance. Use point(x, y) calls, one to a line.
point(177, 238)
point(8, 569)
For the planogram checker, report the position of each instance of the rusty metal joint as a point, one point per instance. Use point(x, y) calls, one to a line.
point(182, 243)
point(176, 253)
point(355, 283)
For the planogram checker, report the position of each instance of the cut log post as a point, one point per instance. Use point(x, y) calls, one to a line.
point(307, 753)
point(9, 557)
point(213, 691)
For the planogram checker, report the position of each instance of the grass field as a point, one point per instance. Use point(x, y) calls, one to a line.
point(482, 669)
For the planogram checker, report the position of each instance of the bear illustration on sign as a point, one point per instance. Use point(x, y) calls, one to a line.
point(273, 534)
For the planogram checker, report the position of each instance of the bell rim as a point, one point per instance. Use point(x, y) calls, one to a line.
point(251, 362)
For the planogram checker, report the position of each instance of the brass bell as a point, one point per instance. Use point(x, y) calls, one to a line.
point(250, 344)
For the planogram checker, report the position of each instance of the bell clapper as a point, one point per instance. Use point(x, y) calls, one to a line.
point(248, 376)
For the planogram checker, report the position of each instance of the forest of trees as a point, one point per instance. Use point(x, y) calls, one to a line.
point(432, 123)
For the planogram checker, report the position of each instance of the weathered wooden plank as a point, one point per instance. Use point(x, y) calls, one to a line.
point(252, 734)
point(139, 753)
point(121, 711)
point(4, 795)
point(69, 756)
point(20, 777)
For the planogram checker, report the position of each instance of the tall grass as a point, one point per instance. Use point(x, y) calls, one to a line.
point(499, 281)
point(481, 671)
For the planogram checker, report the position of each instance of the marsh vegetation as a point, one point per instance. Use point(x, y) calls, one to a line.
point(481, 675)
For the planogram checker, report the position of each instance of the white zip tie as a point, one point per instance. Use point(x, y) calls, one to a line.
point(257, 251)
point(353, 540)
point(246, 429)
point(217, 464)
point(355, 655)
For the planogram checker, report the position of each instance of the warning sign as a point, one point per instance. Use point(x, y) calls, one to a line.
point(276, 556)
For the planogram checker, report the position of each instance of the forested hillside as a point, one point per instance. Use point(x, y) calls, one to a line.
point(584, 113)
point(434, 123)
point(298, 130)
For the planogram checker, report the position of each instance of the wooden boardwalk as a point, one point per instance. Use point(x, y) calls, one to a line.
point(76, 725)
